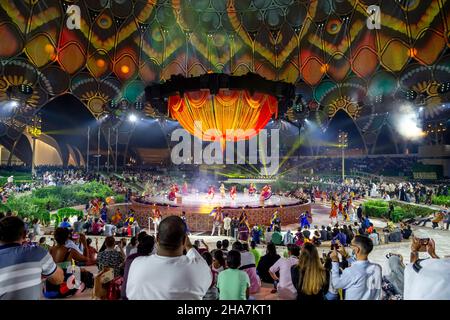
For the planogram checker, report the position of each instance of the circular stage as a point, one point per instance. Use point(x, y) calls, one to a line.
point(201, 200)
point(198, 208)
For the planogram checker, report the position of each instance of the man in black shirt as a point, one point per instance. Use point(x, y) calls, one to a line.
point(359, 213)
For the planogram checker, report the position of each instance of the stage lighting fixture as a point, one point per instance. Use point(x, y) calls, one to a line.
point(132, 118)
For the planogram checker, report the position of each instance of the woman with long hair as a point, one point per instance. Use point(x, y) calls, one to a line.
point(309, 277)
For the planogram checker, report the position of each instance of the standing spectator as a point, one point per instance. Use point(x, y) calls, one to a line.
point(110, 257)
point(22, 267)
point(225, 245)
point(97, 227)
point(309, 276)
point(168, 274)
point(359, 213)
point(285, 287)
point(266, 262)
point(227, 224)
point(234, 227)
point(362, 280)
point(233, 284)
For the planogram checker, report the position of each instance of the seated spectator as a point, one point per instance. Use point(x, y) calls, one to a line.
point(283, 281)
point(309, 276)
point(255, 252)
point(225, 245)
point(42, 243)
point(393, 282)
point(23, 267)
point(65, 223)
point(92, 252)
point(145, 247)
point(211, 294)
point(131, 247)
point(375, 237)
point(168, 274)
point(110, 257)
point(233, 284)
point(109, 230)
point(323, 234)
point(438, 218)
point(288, 238)
point(97, 227)
point(78, 225)
point(63, 252)
point(198, 246)
point(248, 265)
point(266, 262)
point(406, 232)
point(218, 263)
point(277, 238)
point(329, 233)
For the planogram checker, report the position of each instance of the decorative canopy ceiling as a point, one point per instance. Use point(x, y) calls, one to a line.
point(324, 47)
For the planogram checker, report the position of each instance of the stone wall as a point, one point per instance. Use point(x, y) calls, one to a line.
point(203, 222)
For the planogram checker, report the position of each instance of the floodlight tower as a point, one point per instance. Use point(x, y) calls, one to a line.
point(343, 143)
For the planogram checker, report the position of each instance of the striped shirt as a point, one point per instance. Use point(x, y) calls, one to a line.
point(21, 271)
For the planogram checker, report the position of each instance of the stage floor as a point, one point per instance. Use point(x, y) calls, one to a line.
point(242, 200)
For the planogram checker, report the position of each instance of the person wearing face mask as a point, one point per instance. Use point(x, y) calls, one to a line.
point(362, 279)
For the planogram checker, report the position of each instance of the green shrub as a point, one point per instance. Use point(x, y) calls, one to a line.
point(441, 200)
point(379, 209)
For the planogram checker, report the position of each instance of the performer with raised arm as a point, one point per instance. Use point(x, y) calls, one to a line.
point(222, 191)
point(275, 221)
point(266, 192)
point(233, 193)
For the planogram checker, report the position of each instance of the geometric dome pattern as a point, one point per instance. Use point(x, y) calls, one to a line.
point(323, 47)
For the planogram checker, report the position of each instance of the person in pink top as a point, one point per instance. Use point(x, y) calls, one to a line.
point(248, 265)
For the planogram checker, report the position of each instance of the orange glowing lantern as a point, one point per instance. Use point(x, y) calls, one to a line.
point(125, 69)
point(229, 115)
point(101, 63)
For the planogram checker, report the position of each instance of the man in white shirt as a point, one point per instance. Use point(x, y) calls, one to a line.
point(285, 288)
point(227, 224)
point(362, 280)
point(168, 274)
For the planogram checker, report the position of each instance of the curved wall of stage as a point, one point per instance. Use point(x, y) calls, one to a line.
point(203, 222)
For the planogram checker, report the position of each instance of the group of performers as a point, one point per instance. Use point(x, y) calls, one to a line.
point(266, 191)
point(346, 210)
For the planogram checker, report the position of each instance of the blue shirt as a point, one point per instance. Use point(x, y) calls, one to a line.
point(21, 269)
point(65, 224)
point(361, 281)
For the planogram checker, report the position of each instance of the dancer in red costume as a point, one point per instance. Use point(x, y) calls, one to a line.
point(211, 192)
point(252, 189)
point(266, 192)
point(233, 192)
point(173, 193)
